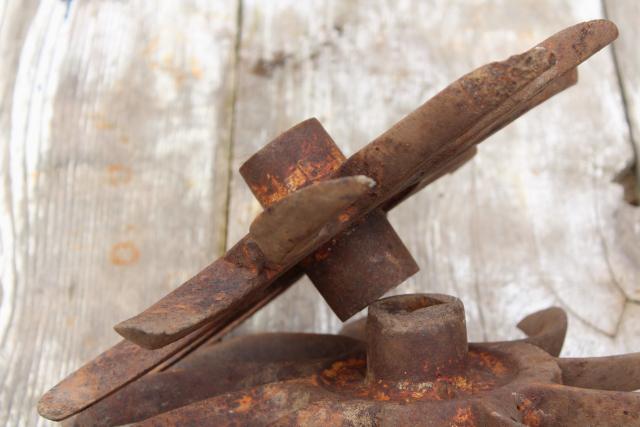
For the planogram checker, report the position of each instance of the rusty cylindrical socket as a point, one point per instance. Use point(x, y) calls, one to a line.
point(416, 337)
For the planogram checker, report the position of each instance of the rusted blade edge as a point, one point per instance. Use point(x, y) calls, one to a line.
point(126, 362)
point(211, 294)
point(245, 269)
point(568, 49)
point(565, 50)
point(460, 157)
point(469, 110)
point(105, 374)
point(252, 306)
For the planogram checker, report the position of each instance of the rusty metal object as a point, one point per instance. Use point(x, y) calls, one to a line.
point(429, 139)
point(232, 365)
point(350, 251)
point(304, 218)
point(344, 267)
point(413, 367)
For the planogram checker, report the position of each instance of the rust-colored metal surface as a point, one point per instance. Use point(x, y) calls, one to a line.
point(325, 216)
point(432, 138)
point(343, 269)
point(412, 367)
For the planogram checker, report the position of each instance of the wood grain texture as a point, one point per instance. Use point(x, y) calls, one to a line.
point(626, 13)
point(116, 141)
point(533, 221)
point(115, 134)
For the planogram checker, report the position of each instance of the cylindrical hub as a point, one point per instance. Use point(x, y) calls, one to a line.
point(358, 266)
point(417, 337)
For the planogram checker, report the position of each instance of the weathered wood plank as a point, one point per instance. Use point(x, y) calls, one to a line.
point(114, 130)
point(533, 221)
point(626, 13)
point(115, 134)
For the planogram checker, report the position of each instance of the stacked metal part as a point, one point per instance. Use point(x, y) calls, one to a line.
point(324, 216)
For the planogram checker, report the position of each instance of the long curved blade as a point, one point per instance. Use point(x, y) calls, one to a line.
point(251, 265)
point(126, 362)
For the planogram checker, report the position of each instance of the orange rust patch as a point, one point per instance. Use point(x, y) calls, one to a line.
point(273, 192)
point(349, 377)
point(380, 395)
point(118, 174)
point(124, 253)
point(244, 404)
point(341, 368)
point(461, 383)
point(530, 416)
point(296, 180)
point(463, 417)
point(493, 363)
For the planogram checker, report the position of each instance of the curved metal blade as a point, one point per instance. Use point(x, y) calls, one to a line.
point(288, 230)
point(126, 362)
point(106, 374)
point(231, 365)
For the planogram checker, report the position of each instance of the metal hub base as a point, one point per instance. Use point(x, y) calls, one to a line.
point(408, 363)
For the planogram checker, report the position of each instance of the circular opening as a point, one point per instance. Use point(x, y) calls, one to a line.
point(409, 304)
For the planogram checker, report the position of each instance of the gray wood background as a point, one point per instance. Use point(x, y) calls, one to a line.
point(123, 123)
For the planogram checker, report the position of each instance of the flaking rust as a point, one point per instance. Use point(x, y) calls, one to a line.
point(325, 216)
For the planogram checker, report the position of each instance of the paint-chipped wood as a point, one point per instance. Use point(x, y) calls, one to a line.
point(533, 221)
point(115, 130)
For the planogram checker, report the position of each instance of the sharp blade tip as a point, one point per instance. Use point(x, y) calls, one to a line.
point(137, 335)
point(365, 180)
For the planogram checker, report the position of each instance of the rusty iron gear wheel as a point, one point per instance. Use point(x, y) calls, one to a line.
point(407, 363)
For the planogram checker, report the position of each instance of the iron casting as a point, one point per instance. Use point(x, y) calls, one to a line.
point(407, 364)
point(325, 216)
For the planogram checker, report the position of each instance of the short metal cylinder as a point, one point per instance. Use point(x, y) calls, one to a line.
point(417, 337)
